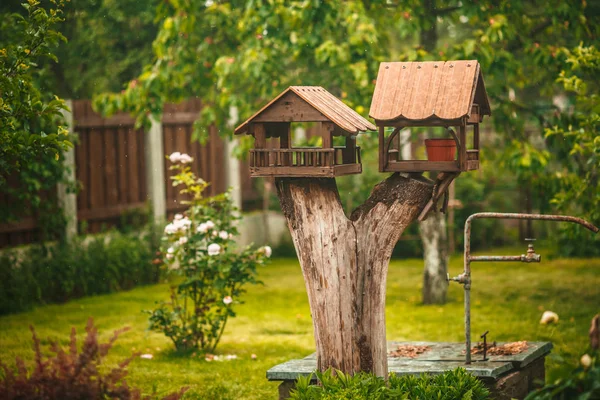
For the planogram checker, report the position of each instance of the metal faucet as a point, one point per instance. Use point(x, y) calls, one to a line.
point(530, 256)
point(465, 278)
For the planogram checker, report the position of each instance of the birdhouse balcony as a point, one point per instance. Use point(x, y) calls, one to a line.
point(305, 162)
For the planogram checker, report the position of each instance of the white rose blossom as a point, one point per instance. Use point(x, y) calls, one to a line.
point(170, 229)
point(214, 249)
point(209, 225)
point(170, 252)
point(178, 216)
point(266, 250)
point(227, 300)
point(185, 159)
point(175, 157)
point(182, 240)
point(202, 228)
point(224, 235)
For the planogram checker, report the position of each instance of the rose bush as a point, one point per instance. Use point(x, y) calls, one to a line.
point(199, 247)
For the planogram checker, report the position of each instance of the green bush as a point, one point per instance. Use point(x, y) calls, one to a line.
point(583, 383)
point(83, 267)
point(199, 248)
point(451, 385)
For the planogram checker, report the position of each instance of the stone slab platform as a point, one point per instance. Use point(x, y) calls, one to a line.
point(441, 357)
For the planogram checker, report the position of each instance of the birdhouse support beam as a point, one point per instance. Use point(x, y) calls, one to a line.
point(345, 261)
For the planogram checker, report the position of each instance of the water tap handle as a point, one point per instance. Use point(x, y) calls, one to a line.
point(531, 256)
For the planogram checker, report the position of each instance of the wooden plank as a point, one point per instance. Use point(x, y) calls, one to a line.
point(349, 152)
point(97, 121)
point(442, 182)
point(348, 169)
point(81, 169)
point(103, 213)
point(383, 157)
point(292, 171)
point(121, 144)
point(260, 142)
point(110, 165)
point(96, 184)
point(422, 166)
point(476, 136)
point(462, 151)
point(334, 109)
point(326, 130)
point(472, 155)
point(428, 122)
point(285, 142)
point(290, 108)
point(472, 165)
point(220, 179)
point(420, 97)
point(132, 161)
point(180, 118)
point(24, 224)
point(142, 166)
point(474, 117)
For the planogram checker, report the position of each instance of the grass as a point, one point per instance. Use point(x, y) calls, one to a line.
point(275, 324)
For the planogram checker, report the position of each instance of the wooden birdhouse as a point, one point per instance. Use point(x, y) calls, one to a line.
point(447, 94)
point(305, 104)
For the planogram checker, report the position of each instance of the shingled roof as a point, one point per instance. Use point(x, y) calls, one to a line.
point(434, 90)
point(327, 107)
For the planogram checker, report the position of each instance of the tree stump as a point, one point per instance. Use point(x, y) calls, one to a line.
point(345, 261)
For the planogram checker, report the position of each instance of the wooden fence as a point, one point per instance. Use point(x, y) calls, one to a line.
point(110, 164)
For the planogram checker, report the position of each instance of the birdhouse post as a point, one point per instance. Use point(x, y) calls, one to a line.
point(344, 259)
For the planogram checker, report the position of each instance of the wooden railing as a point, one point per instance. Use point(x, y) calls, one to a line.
point(302, 157)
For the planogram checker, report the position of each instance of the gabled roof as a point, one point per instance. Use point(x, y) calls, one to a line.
point(420, 91)
point(326, 105)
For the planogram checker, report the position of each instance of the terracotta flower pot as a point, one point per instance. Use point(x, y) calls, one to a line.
point(440, 149)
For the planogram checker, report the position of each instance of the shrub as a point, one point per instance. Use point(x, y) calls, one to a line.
point(83, 267)
point(199, 248)
point(582, 383)
point(71, 374)
point(451, 385)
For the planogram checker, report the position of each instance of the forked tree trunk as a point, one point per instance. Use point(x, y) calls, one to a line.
point(345, 261)
point(435, 256)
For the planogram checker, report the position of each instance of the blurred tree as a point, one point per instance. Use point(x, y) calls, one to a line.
point(574, 137)
point(241, 54)
point(32, 138)
point(108, 43)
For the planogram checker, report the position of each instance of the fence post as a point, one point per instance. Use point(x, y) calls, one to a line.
point(232, 163)
point(232, 167)
point(68, 201)
point(155, 172)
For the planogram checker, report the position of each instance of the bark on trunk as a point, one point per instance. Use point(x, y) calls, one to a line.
point(345, 260)
point(435, 255)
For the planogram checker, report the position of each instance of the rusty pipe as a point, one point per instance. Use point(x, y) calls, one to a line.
point(465, 277)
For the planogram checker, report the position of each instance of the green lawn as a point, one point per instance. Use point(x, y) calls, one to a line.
point(274, 323)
